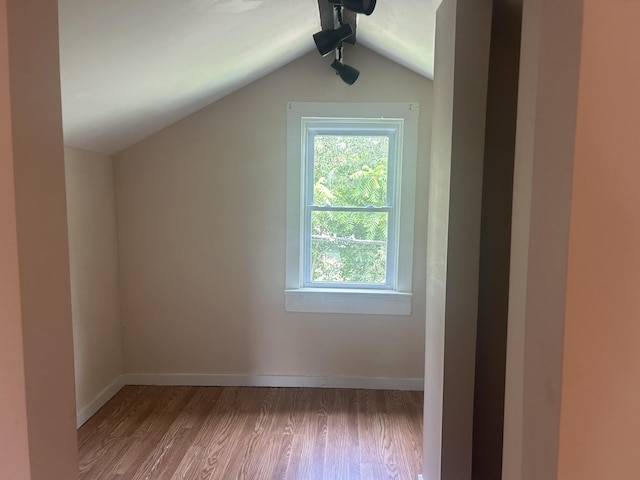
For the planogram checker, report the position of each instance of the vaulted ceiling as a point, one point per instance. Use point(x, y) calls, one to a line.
point(132, 67)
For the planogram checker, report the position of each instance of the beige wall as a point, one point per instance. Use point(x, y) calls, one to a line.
point(460, 93)
point(201, 219)
point(600, 418)
point(542, 188)
point(37, 396)
point(437, 236)
point(14, 438)
point(572, 387)
point(93, 252)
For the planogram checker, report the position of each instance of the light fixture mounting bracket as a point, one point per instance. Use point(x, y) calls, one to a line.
point(327, 18)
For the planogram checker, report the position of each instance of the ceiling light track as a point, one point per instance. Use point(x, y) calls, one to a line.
point(331, 39)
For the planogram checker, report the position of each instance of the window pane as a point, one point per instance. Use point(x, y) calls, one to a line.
point(350, 170)
point(349, 247)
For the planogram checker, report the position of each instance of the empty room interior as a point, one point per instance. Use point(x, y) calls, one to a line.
point(322, 239)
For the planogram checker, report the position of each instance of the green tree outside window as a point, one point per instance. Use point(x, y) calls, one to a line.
point(350, 246)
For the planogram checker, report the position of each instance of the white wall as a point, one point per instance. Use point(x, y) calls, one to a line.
point(201, 218)
point(93, 255)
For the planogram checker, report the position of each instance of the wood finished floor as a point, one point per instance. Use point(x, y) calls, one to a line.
point(240, 433)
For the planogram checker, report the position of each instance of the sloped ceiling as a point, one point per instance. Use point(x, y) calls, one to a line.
point(132, 67)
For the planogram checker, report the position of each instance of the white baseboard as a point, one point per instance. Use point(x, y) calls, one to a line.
point(86, 412)
point(208, 380)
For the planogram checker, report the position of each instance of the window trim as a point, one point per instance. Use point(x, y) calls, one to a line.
point(344, 299)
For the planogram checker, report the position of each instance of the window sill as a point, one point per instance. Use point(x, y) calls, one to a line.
point(330, 300)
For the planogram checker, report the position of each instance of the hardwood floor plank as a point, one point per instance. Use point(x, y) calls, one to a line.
point(151, 431)
point(404, 412)
point(353, 434)
point(281, 467)
point(319, 434)
point(163, 460)
point(238, 433)
point(108, 448)
point(107, 417)
point(207, 457)
point(308, 445)
point(342, 455)
point(375, 457)
point(403, 448)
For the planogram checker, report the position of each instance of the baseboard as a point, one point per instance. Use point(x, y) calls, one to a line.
point(98, 402)
point(208, 380)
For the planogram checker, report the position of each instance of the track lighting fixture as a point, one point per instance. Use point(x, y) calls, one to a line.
point(348, 74)
point(331, 38)
point(328, 40)
point(357, 6)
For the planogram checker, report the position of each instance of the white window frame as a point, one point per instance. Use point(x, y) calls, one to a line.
point(391, 128)
point(394, 297)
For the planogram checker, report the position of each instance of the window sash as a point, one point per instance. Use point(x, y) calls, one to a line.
point(351, 128)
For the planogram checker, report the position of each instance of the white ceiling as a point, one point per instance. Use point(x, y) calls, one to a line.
point(132, 67)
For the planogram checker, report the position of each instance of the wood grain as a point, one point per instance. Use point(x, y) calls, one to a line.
point(246, 433)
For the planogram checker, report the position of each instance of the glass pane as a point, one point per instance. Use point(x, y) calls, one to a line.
point(350, 170)
point(349, 247)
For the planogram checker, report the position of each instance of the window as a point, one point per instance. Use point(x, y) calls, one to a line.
point(349, 202)
point(350, 207)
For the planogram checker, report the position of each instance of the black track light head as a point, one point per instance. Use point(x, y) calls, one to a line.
point(357, 6)
point(348, 74)
point(329, 40)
